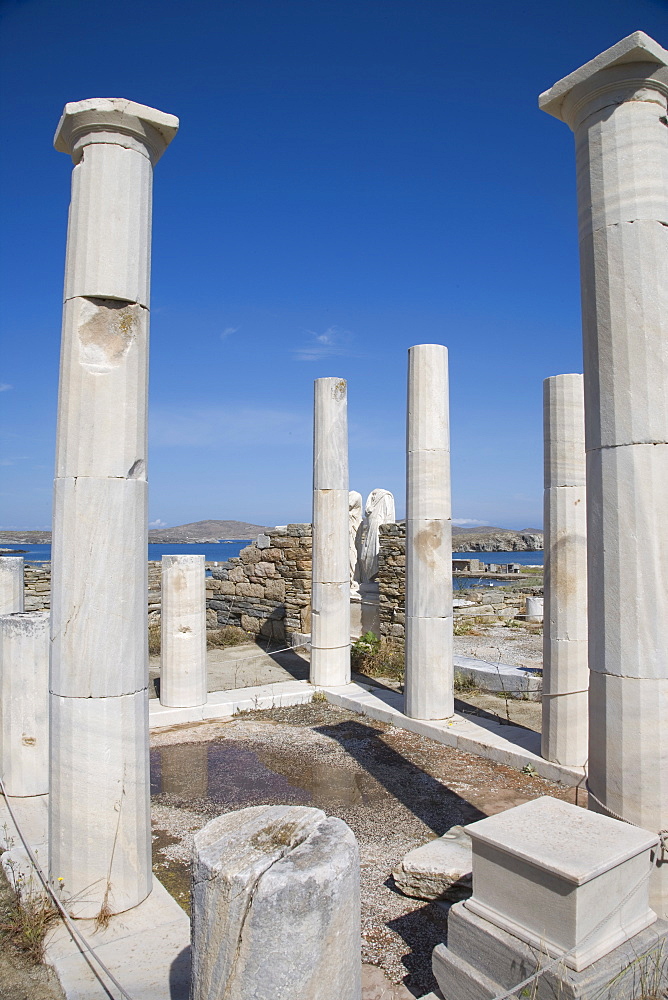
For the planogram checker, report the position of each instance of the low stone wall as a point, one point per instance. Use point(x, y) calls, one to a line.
point(490, 605)
point(266, 589)
point(37, 593)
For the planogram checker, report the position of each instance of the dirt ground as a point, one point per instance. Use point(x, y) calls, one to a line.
point(20, 977)
point(395, 790)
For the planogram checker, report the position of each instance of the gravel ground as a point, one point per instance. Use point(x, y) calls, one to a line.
point(395, 790)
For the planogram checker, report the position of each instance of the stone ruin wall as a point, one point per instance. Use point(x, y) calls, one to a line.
point(266, 589)
point(391, 578)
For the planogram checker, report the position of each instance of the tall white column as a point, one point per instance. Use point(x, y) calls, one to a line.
point(429, 689)
point(24, 697)
point(616, 106)
point(11, 585)
point(183, 673)
point(330, 592)
point(99, 821)
point(565, 666)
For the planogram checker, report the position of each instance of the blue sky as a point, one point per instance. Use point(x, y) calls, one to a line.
point(351, 177)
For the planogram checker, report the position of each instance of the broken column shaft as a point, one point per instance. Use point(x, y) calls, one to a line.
point(565, 667)
point(183, 674)
point(616, 107)
point(330, 594)
point(11, 585)
point(429, 690)
point(99, 823)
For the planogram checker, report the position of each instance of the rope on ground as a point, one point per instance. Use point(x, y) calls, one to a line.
point(84, 947)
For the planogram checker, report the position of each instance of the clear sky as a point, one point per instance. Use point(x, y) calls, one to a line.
point(351, 177)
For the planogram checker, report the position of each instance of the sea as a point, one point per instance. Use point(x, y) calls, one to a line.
point(468, 582)
point(212, 551)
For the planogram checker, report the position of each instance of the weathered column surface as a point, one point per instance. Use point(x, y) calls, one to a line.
point(616, 106)
point(183, 674)
point(11, 585)
point(99, 823)
point(565, 666)
point(24, 700)
point(330, 592)
point(429, 690)
point(300, 938)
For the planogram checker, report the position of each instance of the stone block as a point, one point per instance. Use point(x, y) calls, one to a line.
point(428, 568)
point(560, 878)
point(250, 624)
point(331, 536)
point(99, 801)
point(276, 910)
point(330, 436)
point(237, 575)
point(24, 693)
point(250, 590)
point(12, 588)
point(104, 384)
point(95, 653)
point(439, 869)
point(275, 589)
point(263, 541)
point(428, 689)
point(428, 473)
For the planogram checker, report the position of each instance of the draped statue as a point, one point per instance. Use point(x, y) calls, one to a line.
point(355, 528)
point(379, 510)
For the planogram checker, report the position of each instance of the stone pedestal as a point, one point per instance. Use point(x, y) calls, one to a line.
point(24, 696)
point(11, 585)
point(183, 673)
point(330, 594)
point(569, 884)
point(565, 666)
point(99, 825)
point(276, 907)
point(429, 686)
point(370, 613)
point(616, 106)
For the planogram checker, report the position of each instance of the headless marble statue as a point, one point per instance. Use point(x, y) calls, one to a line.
point(355, 528)
point(379, 510)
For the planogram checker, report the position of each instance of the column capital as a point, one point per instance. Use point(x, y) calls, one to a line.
point(636, 68)
point(114, 120)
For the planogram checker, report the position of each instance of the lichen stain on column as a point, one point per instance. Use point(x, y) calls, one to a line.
point(107, 329)
point(428, 541)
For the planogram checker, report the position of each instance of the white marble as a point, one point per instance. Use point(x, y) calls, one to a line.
point(103, 390)
point(354, 540)
point(616, 106)
point(99, 781)
point(379, 509)
point(559, 877)
point(565, 664)
point(276, 907)
point(330, 580)
point(183, 670)
point(99, 587)
point(429, 692)
point(439, 869)
point(24, 691)
point(11, 585)
point(99, 815)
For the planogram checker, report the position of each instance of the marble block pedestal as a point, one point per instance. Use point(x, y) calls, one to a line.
point(553, 885)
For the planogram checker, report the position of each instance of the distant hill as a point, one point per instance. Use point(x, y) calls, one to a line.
point(205, 531)
point(199, 531)
point(490, 539)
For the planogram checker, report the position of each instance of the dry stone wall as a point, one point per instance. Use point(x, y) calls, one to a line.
point(266, 589)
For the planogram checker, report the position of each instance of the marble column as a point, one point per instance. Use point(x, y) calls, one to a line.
point(183, 673)
point(99, 821)
point(616, 107)
point(429, 690)
point(24, 696)
point(565, 667)
point(11, 585)
point(330, 593)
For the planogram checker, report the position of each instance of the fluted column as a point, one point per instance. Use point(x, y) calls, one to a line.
point(183, 671)
point(565, 667)
point(429, 690)
point(99, 822)
point(616, 107)
point(12, 587)
point(330, 592)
